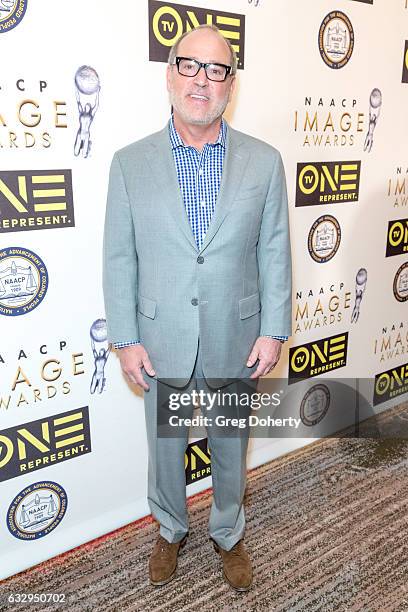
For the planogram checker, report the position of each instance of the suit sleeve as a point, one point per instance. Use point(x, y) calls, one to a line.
point(119, 261)
point(274, 258)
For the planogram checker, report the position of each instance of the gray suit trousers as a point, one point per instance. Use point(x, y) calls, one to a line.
point(166, 470)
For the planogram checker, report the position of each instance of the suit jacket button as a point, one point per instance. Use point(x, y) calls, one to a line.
point(200, 259)
point(194, 302)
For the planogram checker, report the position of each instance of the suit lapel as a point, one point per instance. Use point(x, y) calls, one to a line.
point(161, 161)
point(235, 163)
point(160, 157)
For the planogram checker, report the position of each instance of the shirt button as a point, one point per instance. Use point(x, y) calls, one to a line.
point(200, 259)
point(194, 302)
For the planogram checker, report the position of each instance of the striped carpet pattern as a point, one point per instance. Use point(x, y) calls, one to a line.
point(327, 530)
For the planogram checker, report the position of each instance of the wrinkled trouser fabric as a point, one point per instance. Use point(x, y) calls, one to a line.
point(166, 471)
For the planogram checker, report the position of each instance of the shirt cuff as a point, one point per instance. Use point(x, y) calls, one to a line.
point(119, 345)
point(281, 338)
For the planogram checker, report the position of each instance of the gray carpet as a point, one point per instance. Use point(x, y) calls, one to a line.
point(327, 530)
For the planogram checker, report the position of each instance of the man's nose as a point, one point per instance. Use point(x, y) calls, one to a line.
point(201, 77)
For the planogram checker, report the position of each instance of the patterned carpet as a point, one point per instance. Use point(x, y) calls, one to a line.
point(327, 531)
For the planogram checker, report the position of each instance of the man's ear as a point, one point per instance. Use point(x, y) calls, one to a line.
point(232, 87)
point(168, 76)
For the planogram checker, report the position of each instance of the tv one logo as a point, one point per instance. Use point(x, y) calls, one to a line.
point(390, 384)
point(38, 444)
point(317, 357)
point(167, 22)
point(327, 182)
point(197, 461)
point(397, 237)
point(36, 199)
point(405, 64)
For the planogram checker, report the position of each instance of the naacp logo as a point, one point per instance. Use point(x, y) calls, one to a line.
point(336, 39)
point(315, 405)
point(324, 238)
point(400, 286)
point(11, 13)
point(37, 510)
point(23, 281)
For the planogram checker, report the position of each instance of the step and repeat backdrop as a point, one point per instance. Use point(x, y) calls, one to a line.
point(324, 81)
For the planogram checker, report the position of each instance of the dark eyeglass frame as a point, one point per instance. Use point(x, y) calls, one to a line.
point(202, 65)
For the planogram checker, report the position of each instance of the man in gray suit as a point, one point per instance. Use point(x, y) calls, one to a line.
point(197, 283)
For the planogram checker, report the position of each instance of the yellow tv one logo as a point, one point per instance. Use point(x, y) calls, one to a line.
point(41, 443)
point(197, 461)
point(391, 384)
point(405, 64)
point(35, 199)
point(317, 357)
point(397, 242)
point(327, 182)
point(168, 21)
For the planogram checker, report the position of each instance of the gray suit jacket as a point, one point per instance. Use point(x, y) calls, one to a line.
point(154, 287)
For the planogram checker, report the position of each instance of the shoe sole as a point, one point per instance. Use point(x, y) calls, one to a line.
point(170, 578)
point(236, 588)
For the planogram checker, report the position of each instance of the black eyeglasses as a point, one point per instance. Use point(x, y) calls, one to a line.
point(190, 67)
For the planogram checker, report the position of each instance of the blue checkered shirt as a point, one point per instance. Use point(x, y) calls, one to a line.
point(199, 175)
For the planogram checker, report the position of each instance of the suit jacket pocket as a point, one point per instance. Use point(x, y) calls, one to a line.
point(249, 306)
point(146, 306)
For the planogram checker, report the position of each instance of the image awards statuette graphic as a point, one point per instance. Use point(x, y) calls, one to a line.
point(99, 335)
point(11, 13)
point(361, 282)
point(87, 88)
point(374, 113)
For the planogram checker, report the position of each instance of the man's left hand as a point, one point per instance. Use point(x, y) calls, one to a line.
point(268, 351)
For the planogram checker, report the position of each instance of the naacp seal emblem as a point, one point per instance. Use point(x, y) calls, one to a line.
point(315, 405)
point(336, 39)
point(324, 238)
point(400, 284)
point(23, 281)
point(11, 13)
point(37, 510)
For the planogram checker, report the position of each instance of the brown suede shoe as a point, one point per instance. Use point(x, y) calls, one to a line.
point(237, 568)
point(163, 560)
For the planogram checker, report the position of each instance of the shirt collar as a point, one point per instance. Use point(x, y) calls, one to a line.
point(176, 140)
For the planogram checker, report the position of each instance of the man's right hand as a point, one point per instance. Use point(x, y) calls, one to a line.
point(132, 359)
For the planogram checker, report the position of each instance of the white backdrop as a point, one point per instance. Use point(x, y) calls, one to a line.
point(46, 358)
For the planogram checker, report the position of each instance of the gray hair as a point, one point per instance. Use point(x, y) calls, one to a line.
point(174, 48)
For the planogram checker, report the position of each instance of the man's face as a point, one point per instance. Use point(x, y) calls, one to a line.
point(197, 100)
